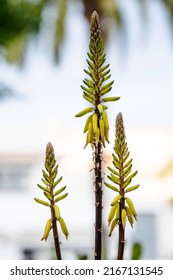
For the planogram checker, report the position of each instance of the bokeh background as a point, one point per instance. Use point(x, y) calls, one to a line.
point(43, 46)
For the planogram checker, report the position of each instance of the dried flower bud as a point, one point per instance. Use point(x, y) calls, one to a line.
point(120, 133)
point(50, 157)
point(95, 23)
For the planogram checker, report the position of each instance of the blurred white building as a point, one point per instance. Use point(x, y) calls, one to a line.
point(22, 221)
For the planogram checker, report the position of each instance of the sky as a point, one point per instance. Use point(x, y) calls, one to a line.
point(50, 95)
point(142, 70)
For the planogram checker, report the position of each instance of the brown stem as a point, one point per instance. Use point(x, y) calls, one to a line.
point(55, 235)
point(98, 202)
point(121, 239)
point(54, 227)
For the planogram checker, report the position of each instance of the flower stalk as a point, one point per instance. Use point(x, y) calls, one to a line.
point(50, 183)
point(95, 87)
point(122, 208)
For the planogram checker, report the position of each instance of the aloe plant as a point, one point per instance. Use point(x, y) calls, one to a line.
point(50, 183)
point(121, 175)
point(95, 87)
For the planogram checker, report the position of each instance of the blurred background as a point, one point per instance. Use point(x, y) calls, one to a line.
point(43, 46)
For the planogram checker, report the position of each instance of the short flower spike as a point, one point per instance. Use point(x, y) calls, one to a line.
point(49, 184)
point(121, 175)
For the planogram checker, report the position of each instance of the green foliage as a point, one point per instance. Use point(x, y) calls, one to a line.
point(18, 20)
point(121, 175)
point(136, 251)
point(21, 18)
point(50, 183)
point(95, 87)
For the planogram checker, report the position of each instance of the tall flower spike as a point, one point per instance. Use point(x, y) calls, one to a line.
point(97, 125)
point(50, 183)
point(122, 208)
point(95, 88)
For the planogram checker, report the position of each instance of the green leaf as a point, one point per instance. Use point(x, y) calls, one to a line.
point(131, 176)
point(48, 196)
point(126, 183)
point(127, 170)
point(102, 92)
point(136, 251)
point(87, 90)
point(87, 72)
point(47, 229)
point(90, 56)
point(115, 158)
point(131, 207)
point(106, 78)
point(45, 175)
point(111, 187)
point(115, 178)
point(61, 197)
point(126, 156)
point(88, 99)
point(129, 216)
point(88, 84)
point(91, 65)
point(105, 107)
point(41, 201)
point(89, 119)
point(59, 191)
point(123, 218)
point(63, 227)
point(90, 96)
point(57, 212)
point(113, 225)
point(103, 74)
point(101, 60)
point(112, 213)
point(54, 173)
point(111, 179)
point(110, 99)
point(100, 108)
point(84, 112)
point(104, 68)
point(116, 199)
point(113, 171)
point(107, 85)
point(132, 188)
point(116, 164)
point(43, 188)
point(45, 182)
point(128, 163)
point(58, 181)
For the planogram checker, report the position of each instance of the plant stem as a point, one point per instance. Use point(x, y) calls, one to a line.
point(121, 230)
point(121, 240)
point(121, 243)
point(98, 201)
point(55, 236)
point(54, 227)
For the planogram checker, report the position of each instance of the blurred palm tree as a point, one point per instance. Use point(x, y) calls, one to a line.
point(21, 20)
